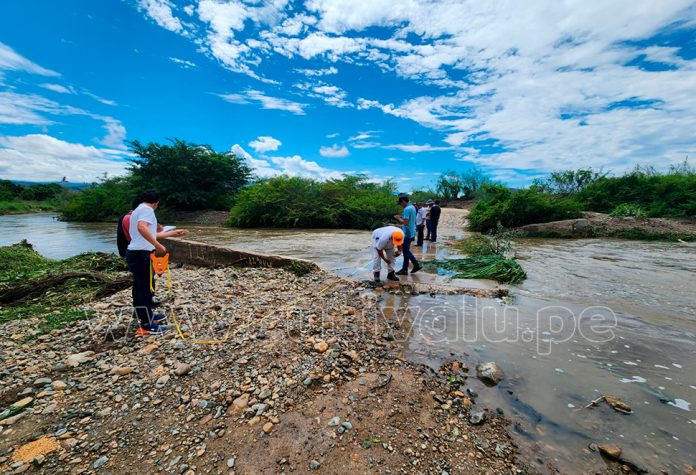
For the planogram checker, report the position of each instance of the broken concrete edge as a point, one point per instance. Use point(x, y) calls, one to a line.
point(183, 251)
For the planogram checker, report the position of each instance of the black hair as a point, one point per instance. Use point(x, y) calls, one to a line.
point(136, 201)
point(403, 198)
point(149, 196)
point(437, 202)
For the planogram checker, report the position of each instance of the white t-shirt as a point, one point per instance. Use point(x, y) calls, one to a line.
point(142, 213)
point(420, 216)
point(382, 237)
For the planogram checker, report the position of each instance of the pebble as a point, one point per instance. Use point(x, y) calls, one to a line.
point(489, 373)
point(22, 403)
point(268, 427)
point(335, 421)
point(122, 371)
point(612, 452)
point(162, 381)
point(41, 382)
point(477, 417)
point(230, 462)
point(182, 369)
point(100, 461)
point(314, 465)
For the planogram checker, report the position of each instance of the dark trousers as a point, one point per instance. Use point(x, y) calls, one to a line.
point(427, 228)
point(139, 264)
point(408, 255)
point(419, 241)
point(433, 230)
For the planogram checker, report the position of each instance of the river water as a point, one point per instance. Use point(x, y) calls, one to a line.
point(594, 317)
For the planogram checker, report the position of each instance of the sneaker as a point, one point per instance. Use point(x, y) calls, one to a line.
point(159, 318)
point(416, 268)
point(402, 272)
point(156, 303)
point(392, 276)
point(152, 329)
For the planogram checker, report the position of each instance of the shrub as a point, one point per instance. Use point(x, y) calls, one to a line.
point(105, 201)
point(289, 202)
point(628, 210)
point(513, 208)
point(671, 194)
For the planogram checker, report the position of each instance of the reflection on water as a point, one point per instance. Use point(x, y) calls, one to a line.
point(551, 371)
point(57, 239)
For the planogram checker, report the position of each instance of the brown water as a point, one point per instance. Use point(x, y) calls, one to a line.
point(645, 351)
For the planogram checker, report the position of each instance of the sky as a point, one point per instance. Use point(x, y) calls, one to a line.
point(399, 90)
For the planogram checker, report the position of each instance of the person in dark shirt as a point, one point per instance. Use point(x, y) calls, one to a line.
point(435, 212)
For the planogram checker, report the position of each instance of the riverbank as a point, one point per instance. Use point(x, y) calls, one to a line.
point(603, 225)
point(309, 375)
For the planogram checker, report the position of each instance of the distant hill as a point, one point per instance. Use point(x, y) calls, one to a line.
point(72, 186)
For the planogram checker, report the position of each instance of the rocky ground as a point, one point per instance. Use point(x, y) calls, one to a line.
point(274, 374)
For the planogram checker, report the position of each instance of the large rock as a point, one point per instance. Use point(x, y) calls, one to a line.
point(490, 373)
point(612, 452)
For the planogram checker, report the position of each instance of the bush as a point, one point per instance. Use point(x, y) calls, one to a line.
point(514, 208)
point(294, 202)
point(105, 201)
point(672, 194)
point(628, 210)
point(465, 185)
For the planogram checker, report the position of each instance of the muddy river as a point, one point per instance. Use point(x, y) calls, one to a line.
point(594, 317)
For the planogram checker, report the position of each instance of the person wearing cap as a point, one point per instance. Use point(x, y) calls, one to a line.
point(408, 222)
point(386, 245)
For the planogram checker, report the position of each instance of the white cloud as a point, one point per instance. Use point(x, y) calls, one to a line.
point(267, 102)
point(58, 88)
point(334, 151)
point(108, 102)
point(183, 62)
point(416, 148)
point(13, 61)
point(161, 12)
point(115, 133)
point(40, 157)
point(290, 166)
point(262, 168)
point(297, 166)
point(265, 143)
point(332, 95)
point(318, 72)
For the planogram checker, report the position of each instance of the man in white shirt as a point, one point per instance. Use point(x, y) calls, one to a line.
point(421, 213)
point(143, 232)
point(386, 246)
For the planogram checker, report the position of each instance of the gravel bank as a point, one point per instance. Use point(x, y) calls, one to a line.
point(306, 375)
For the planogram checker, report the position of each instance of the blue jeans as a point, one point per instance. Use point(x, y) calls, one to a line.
point(408, 255)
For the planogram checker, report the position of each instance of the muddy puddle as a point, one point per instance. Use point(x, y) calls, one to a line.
point(594, 317)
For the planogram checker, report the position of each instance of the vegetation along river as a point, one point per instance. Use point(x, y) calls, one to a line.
point(594, 317)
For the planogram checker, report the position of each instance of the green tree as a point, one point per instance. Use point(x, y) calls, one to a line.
point(188, 176)
point(568, 182)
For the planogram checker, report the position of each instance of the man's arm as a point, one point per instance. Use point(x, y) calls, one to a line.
point(384, 258)
point(173, 232)
point(144, 231)
point(403, 221)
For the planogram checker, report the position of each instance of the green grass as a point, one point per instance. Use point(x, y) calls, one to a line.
point(640, 235)
point(492, 266)
point(59, 306)
point(485, 260)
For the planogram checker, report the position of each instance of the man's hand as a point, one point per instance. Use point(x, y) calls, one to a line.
point(180, 232)
point(397, 253)
point(160, 249)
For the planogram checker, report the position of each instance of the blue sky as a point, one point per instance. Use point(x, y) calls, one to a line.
point(401, 90)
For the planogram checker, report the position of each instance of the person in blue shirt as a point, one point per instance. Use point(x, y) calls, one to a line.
point(408, 222)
